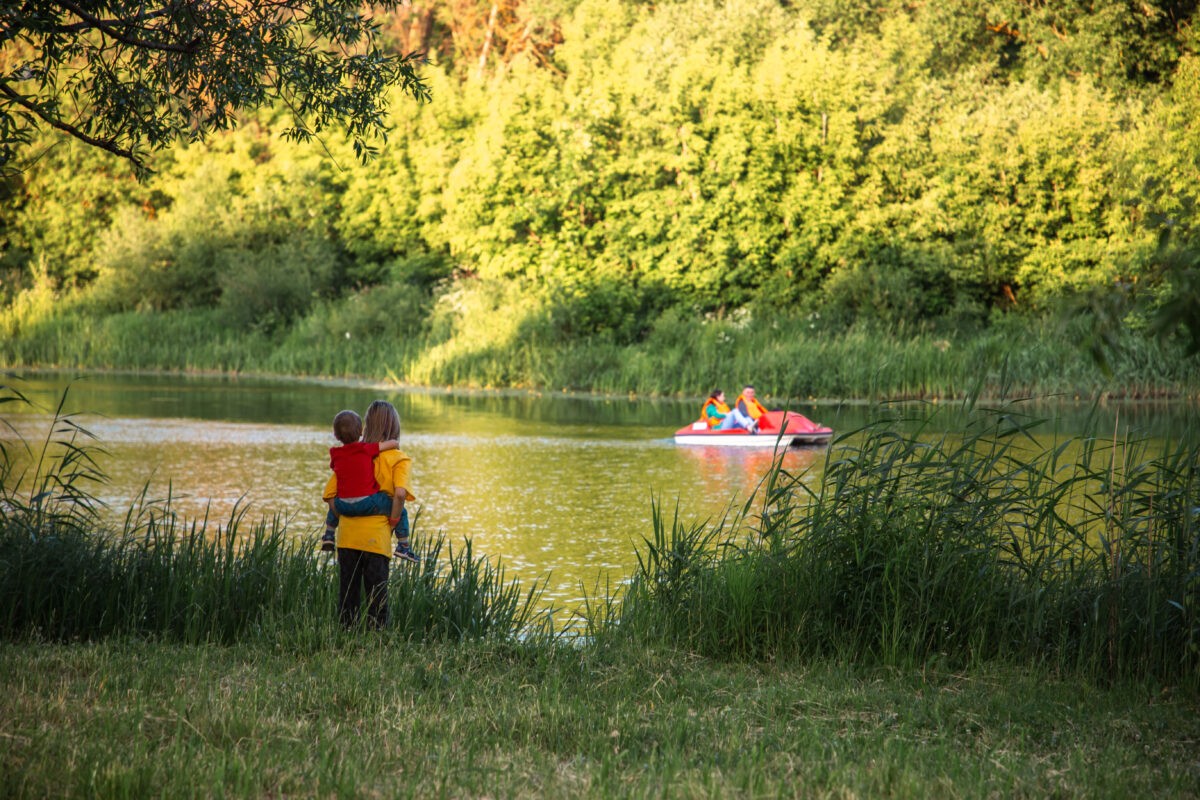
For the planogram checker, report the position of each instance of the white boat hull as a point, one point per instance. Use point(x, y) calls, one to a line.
point(751, 440)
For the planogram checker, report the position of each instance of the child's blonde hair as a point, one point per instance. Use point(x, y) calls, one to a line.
point(383, 422)
point(347, 427)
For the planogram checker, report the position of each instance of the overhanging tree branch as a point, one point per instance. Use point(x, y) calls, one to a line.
point(58, 124)
point(112, 30)
point(145, 71)
point(135, 20)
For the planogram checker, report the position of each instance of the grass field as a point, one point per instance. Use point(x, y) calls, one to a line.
point(382, 717)
point(972, 615)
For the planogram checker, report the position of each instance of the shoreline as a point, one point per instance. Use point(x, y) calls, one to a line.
point(1115, 396)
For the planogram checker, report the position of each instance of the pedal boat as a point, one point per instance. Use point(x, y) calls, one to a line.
point(775, 429)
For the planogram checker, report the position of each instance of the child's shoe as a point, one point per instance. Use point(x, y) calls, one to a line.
point(405, 553)
point(328, 542)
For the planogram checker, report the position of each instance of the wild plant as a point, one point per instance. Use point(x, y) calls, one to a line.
point(71, 569)
point(993, 541)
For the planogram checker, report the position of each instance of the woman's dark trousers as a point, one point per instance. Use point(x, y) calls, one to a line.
point(362, 573)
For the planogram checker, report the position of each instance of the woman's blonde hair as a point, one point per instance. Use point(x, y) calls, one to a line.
point(382, 422)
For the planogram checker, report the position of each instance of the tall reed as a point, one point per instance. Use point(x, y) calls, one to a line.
point(70, 572)
point(990, 543)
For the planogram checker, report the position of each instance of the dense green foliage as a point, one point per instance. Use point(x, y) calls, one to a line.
point(921, 168)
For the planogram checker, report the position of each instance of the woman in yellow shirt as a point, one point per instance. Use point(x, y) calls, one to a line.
point(364, 543)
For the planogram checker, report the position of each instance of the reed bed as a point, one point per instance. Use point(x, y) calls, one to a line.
point(1081, 555)
point(70, 573)
point(677, 356)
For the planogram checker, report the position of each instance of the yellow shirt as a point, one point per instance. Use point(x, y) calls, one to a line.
point(372, 534)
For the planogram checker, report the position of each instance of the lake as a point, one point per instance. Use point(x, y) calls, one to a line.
point(555, 487)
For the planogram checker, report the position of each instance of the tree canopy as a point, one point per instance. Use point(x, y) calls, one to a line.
point(594, 169)
point(130, 76)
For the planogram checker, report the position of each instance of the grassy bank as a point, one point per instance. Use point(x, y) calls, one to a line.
point(972, 614)
point(789, 358)
point(379, 717)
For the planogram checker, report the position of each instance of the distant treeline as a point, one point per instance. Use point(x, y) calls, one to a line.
point(590, 171)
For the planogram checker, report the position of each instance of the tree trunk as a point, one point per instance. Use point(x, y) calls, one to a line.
point(487, 39)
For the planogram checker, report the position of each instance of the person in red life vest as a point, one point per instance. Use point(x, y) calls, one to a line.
point(353, 464)
point(748, 405)
point(716, 414)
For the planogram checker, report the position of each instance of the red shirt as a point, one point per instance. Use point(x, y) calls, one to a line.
point(352, 463)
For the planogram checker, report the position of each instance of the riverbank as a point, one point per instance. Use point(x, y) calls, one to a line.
point(970, 617)
point(378, 716)
point(963, 535)
point(789, 360)
point(392, 384)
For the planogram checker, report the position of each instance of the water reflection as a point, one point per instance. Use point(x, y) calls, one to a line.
point(735, 472)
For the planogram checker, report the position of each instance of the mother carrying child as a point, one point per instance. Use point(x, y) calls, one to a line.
point(364, 542)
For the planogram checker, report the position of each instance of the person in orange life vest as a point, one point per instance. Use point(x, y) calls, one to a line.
point(364, 541)
point(718, 415)
point(748, 405)
point(353, 463)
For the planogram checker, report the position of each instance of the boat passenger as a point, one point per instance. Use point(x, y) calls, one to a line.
point(747, 404)
point(717, 415)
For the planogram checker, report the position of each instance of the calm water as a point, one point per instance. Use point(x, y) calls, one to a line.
point(558, 488)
